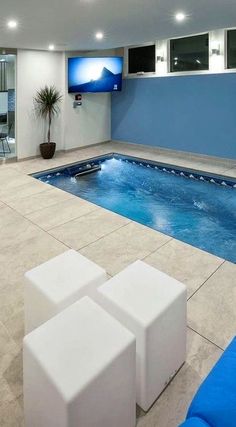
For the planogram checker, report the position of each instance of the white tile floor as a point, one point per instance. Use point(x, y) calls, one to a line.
point(38, 222)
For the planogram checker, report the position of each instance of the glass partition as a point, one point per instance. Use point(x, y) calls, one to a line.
point(7, 104)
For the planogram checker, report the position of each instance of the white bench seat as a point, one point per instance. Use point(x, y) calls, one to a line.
point(79, 370)
point(153, 306)
point(57, 283)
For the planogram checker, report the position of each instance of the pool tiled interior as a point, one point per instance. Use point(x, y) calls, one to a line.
point(38, 222)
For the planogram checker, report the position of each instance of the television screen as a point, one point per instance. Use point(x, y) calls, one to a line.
point(94, 74)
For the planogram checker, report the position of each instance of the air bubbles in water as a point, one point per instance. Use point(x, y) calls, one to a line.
point(200, 205)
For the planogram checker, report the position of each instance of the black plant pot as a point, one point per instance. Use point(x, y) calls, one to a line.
point(47, 149)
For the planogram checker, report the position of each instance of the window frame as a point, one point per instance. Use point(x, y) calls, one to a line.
point(145, 74)
point(226, 59)
point(165, 45)
point(186, 72)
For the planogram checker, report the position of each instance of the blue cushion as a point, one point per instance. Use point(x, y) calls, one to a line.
point(215, 401)
point(194, 422)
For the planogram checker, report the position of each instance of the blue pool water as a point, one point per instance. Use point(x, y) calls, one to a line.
point(189, 208)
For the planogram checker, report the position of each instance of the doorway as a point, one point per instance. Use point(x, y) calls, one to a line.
point(7, 104)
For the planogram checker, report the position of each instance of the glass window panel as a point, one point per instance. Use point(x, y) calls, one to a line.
point(142, 59)
point(231, 49)
point(189, 53)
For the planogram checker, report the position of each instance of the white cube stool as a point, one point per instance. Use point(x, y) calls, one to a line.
point(79, 370)
point(153, 306)
point(59, 282)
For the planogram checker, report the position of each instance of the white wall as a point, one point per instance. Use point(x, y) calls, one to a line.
point(35, 69)
point(90, 123)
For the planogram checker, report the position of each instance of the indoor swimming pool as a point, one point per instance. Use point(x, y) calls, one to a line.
point(196, 208)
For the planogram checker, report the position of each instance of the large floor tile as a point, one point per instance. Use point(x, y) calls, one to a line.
point(60, 159)
point(11, 409)
point(26, 205)
point(61, 213)
point(11, 298)
point(171, 408)
point(117, 250)
point(7, 171)
point(230, 173)
point(87, 229)
point(7, 216)
point(16, 327)
point(24, 190)
point(15, 181)
point(211, 311)
point(187, 160)
point(14, 375)
point(29, 166)
point(6, 394)
point(185, 263)
point(8, 349)
point(18, 229)
point(38, 164)
point(217, 168)
point(15, 260)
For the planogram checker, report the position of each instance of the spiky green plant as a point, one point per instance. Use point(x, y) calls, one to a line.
point(47, 101)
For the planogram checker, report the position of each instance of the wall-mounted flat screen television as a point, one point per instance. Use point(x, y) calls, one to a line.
point(95, 74)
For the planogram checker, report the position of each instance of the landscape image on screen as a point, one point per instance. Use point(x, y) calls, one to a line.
point(94, 74)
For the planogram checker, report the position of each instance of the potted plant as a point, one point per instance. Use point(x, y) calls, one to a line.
point(47, 102)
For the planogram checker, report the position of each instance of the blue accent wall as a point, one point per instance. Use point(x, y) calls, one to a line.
point(189, 113)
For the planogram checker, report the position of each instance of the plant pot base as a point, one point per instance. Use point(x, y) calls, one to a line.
point(47, 149)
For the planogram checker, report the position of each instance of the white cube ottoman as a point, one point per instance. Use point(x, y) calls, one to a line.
point(79, 370)
point(59, 282)
point(153, 306)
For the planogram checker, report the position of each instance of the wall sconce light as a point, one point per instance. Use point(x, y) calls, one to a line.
point(160, 55)
point(215, 48)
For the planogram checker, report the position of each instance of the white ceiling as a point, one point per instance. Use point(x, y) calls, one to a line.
point(71, 24)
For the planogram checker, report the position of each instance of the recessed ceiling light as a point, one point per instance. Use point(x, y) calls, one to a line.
point(180, 16)
point(99, 35)
point(51, 47)
point(12, 24)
